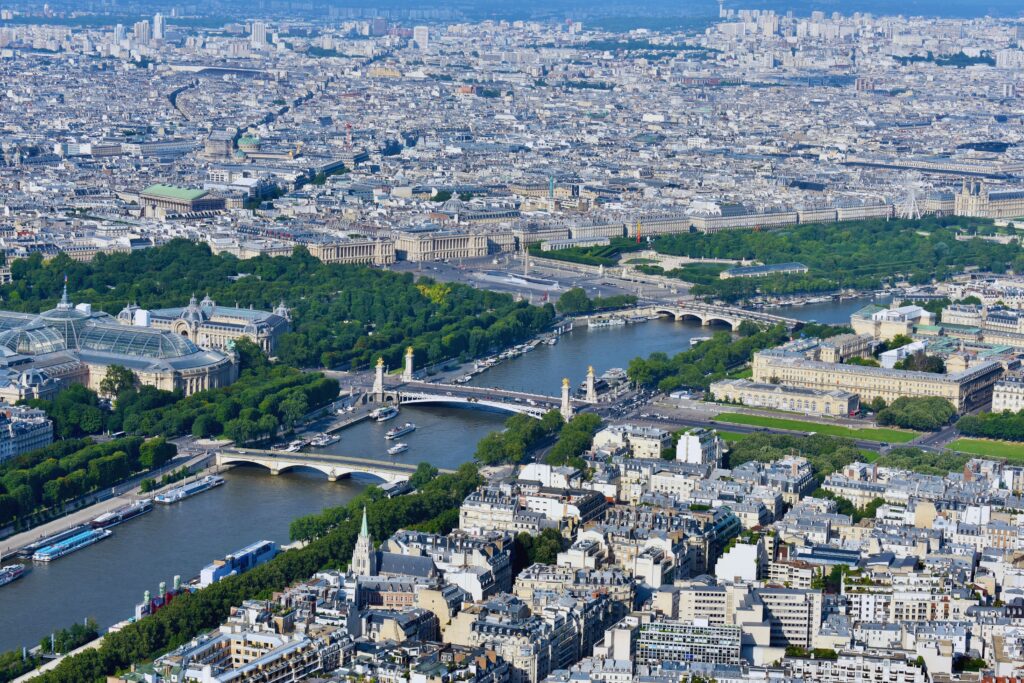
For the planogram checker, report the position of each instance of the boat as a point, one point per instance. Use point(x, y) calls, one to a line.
point(384, 414)
point(607, 322)
point(122, 514)
point(296, 446)
point(70, 545)
point(11, 572)
point(398, 448)
point(192, 488)
point(322, 440)
point(552, 341)
point(697, 340)
point(400, 431)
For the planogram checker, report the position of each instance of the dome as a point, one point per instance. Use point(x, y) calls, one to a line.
point(454, 206)
point(192, 313)
point(33, 341)
point(136, 342)
point(65, 319)
point(32, 378)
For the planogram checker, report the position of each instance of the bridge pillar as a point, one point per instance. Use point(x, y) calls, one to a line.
point(591, 389)
point(275, 471)
point(378, 381)
point(566, 408)
point(407, 371)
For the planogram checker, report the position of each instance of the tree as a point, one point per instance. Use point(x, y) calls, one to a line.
point(927, 413)
point(117, 380)
point(748, 328)
point(425, 472)
point(156, 452)
point(206, 426)
point(574, 302)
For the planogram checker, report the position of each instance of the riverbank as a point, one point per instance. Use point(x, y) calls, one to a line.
point(11, 545)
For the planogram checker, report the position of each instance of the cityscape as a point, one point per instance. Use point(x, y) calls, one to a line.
point(379, 341)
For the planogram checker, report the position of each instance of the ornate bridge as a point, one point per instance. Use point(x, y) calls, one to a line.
point(708, 313)
point(334, 466)
point(534, 405)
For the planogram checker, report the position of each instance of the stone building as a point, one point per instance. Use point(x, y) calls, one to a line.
point(212, 326)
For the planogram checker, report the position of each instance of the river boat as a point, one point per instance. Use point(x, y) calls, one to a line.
point(398, 448)
point(384, 414)
point(11, 572)
point(70, 545)
point(122, 514)
point(192, 488)
point(400, 431)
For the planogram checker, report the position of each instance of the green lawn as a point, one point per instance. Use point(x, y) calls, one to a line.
point(868, 433)
point(996, 449)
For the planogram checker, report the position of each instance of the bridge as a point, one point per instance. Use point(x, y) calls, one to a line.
point(709, 313)
point(334, 466)
point(483, 398)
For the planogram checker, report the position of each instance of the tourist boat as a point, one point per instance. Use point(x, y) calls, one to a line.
point(697, 340)
point(70, 545)
point(398, 448)
point(11, 572)
point(384, 414)
point(190, 489)
point(400, 431)
point(607, 322)
point(122, 514)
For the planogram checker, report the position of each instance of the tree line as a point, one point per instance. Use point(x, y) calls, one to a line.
point(705, 363)
point(845, 255)
point(63, 471)
point(576, 302)
point(266, 399)
point(343, 315)
point(1006, 426)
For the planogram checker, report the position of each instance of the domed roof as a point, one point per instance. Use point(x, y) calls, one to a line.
point(453, 205)
point(65, 319)
point(33, 340)
point(193, 313)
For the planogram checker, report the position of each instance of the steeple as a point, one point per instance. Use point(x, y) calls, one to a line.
point(364, 557)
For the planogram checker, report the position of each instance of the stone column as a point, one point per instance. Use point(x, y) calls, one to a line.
point(566, 408)
point(407, 372)
point(591, 389)
point(378, 381)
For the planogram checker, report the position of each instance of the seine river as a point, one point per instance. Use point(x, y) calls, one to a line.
point(106, 580)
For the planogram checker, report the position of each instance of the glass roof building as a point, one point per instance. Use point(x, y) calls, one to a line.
point(72, 344)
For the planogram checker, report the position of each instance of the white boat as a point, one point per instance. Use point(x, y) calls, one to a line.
point(295, 446)
point(400, 431)
point(607, 322)
point(697, 340)
point(398, 448)
point(325, 440)
point(385, 413)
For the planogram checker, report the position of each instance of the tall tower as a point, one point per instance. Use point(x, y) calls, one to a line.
point(158, 26)
point(378, 380)
point(407, 371)
point(566, 408)
point(364, 559)
point(591, 389)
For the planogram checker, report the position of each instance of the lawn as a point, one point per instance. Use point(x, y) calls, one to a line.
point(867, 433)
point(994, 449)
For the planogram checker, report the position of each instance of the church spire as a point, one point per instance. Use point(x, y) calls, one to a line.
point(364, 530)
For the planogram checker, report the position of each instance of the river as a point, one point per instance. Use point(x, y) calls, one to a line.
point(106, 580)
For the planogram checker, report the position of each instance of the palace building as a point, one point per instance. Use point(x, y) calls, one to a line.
point(975, 199)
point(42, 353)
point(212, 326)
